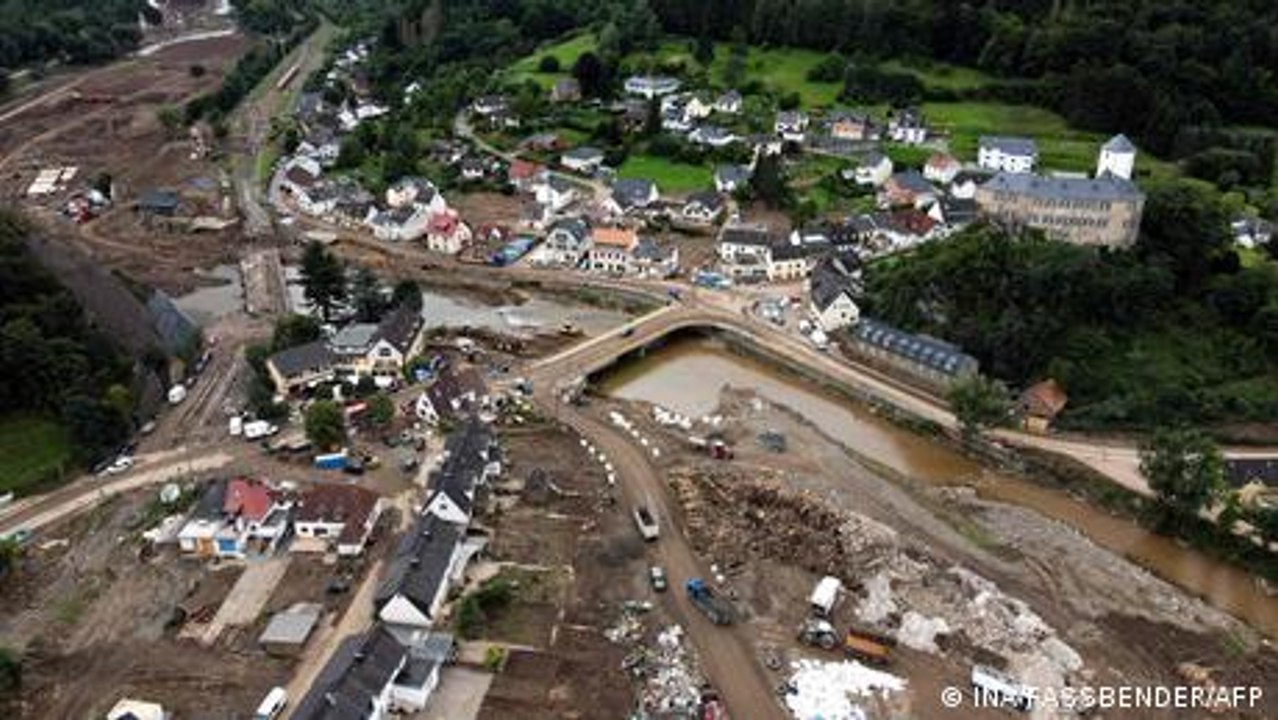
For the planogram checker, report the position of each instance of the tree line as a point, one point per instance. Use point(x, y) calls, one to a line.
point(52, 360)
point(76, 31)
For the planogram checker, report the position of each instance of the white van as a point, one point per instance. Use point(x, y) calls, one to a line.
point(235, 426)
point(272, 704)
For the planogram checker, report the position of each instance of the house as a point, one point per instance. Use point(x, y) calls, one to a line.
point(941, 168)
point(300, 175)
point(964, 184)
point(1104, 211)
point(380, 349)
point(1040, 403)
point(130, 709)
point(712, 136)
point(454, 394)
point(1117, 157)
point(301, 366)
point(651, 86)
point(907, 189)
point(565, 90)
point(954, 212)
point(359, 681)
point(788, 261)
point(932, 361)
point(729, 178)
point(1255, 480)
point(544, 142)
point(429, 557)
point(904, 229)
point(556, 193)
point(749, 243)
point(335, 518)
point(703, 208)
point(831, 299)
point(765, 144)
point(566, 243)
point(447, 233)
point(611, 250)
point(844, 125)
point(162, 202)
point(698, 107)
point(1250, 232)
point(1007, 154)
point(675, 120)
point(404, 223)
point(233, 517)
point(907, 126)
point(420, 674)
point(489, 105)
point(523, 174)
point(729, 103)
point(584, 159)
point(651, 259)
point(874, 169)
point(416, 192)
point(630, 194)
point(791, 125)
point(471, 460)
point(473, 168)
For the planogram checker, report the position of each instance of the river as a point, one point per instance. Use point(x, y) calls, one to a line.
point(689, 374)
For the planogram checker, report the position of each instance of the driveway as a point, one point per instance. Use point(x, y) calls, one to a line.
point(459, 696)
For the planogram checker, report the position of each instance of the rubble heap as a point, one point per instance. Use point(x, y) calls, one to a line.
point(665, 668)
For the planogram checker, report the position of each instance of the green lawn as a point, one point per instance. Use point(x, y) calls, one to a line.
point(31, 448)
point(1059, 146)
point(940, 76)
point(565, 51)
point(670, 176)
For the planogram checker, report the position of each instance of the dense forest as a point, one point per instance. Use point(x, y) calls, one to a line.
point(34, 31)
point(1181, 76)
point(1173, 330)
point(52, 362)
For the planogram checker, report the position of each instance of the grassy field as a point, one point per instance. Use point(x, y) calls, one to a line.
point(940, 76)
point(565, 51)
point(670, 176)
point(31, 448)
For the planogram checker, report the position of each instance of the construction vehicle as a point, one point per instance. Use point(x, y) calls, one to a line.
point(867, 647)
point(715, 607)
point(646, 522)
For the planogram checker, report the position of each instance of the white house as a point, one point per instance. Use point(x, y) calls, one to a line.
point(907, 127)
point(651, 86)
point(630, 194)
point(728, 178)
point(403, 223)
point(941, 168)
point(1117, 157)
point(420, 574)
point(651, 259)
point(792, 125)
point(739, 243)
point(583, 159)
point(359, 680)
point(788, 261)
point(833, 307)
point(566, 243)
point(555, 193)
point(1007, 154)
point(712, 136)
point(728, 103)
point(415, 191)
point(874, 169)
point(612, 250)
point(337, 517)
point(698, 107)
point(703, 208)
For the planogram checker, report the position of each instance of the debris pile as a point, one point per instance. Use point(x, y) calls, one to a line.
point(665, 669)
point(826, 690)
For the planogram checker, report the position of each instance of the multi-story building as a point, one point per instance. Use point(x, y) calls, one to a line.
point(1103, 211)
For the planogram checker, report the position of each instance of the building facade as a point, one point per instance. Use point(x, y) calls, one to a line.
point(1104, 211)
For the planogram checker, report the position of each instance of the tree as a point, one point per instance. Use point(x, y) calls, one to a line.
point(293, 330)
point(381, 410)
point(366, 295)
point(768, 182)
point(325, 424)
point(323, 279)
point(591, 75)
point(1184, 468)
point(170, 119)
point(1186, 226)
point(407, 293)
point(652, 121)
point(704, 51)
point(979, 402)
point(548, 64)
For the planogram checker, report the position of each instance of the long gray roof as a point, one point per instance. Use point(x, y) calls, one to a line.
point(469, 450)
point(1010, 145)
point(420, 566)
point(922, 349)
point(359, 671)
point(311, 357)
point(1064, 188)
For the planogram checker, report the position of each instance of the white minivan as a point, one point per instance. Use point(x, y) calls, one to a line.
point(272, 704)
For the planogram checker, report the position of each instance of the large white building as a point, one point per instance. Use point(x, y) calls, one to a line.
point(1117, 157)
point(1007, 154)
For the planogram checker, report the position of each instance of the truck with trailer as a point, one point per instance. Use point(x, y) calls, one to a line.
point(869, 648)
point(710, 602)
point(647, 523)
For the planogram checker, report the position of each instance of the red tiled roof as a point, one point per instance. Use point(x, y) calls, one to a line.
point(248, 499)
point(522, 169)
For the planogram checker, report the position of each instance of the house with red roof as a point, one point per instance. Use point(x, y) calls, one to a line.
point(447, 233)
point(235, 518)
point(524, 174)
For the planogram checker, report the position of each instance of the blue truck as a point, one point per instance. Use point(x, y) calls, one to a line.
point(331, 461)
point(710, 602)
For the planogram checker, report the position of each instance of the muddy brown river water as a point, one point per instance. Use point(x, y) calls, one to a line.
point(689, 374)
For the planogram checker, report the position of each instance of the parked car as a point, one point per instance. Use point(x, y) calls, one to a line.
point(272, 705)
point(121, 464)
point(657, 577)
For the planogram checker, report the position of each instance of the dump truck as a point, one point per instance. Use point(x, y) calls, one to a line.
point(867, 647)
point(646, 522)
point(710, 602)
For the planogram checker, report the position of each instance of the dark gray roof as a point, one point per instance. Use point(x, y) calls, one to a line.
point(922, 349)
point(736, 174)
point(159, 200)
point(359, 671)
point(913, 181)
point(291, 626)
point(747, 235)
point(211, 502)
point(399, 328)
point(649, 249)
point(958, 211)
point(420, 566)
point(1061, 188)
point(311, 357)
point(176, 330)
point(574, 226)
point(1119, 143)
point(629, 192)
point(827, 287)
point(872, 159)
point(1010, 145)
point(451, 386)
point(585, 152)
point(786, 250)
point(708, 199)
point(469, 450)
point(1241, 471)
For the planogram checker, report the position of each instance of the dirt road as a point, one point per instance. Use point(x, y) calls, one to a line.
point(726, 655)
